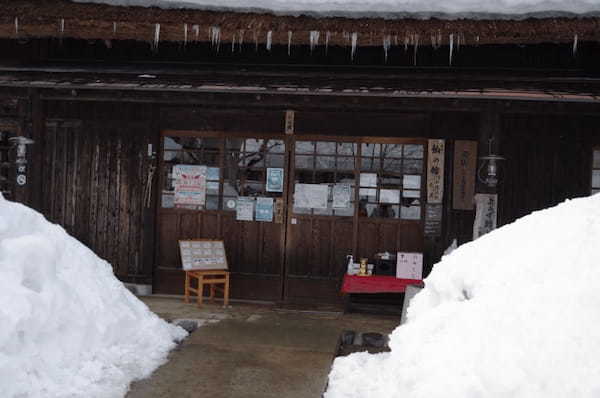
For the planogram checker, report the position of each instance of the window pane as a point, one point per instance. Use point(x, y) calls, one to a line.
point(325, 162)
point(413, 151)
point(391, 151)
point(411, 194)
point(414, 166)
point(370, 164)
point(345, 163)
point(347, 148)
point(326, 148)
point(305, 147)
point(213, 173)
point(392, 165)
point(373, 150)
point(304, 162)
point(276, 146)
point(275, 161)
point(212, 202)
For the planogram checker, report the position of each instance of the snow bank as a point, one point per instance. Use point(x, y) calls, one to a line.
point(370, 7)
point(68, 327)
point(514, 314)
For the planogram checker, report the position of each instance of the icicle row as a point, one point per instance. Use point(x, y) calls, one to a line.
point(215, 37)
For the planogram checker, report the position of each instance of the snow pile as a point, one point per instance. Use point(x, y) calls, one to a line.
point(68, 327)
point(371, 7)
point(514, 314)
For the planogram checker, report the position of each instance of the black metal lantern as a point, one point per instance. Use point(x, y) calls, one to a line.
point(490, 168)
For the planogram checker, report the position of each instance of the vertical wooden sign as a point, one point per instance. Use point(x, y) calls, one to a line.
point(289, 122)
point(435, 171)
point(486, 214)
point(465, 165)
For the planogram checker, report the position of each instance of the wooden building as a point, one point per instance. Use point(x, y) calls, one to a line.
point(115, 96)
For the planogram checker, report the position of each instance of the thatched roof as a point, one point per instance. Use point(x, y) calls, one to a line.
point(62, 18)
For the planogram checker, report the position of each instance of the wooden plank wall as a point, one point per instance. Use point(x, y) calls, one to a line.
point(94, 172)
point(548, 161)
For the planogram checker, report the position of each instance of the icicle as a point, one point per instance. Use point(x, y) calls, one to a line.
point(17, 26)
point(255, 41)
point(477, 40)
point(215, 37)
point(354, 42)
point(387, 42)
point(451, 48)
point(289, 42)
point(108, 43)
point(314, 39)
point(575, 41)
point(156, 36)
point(196, 29)
point(406, 41)
point(327, 37)
point(395, 40)
point(269, 40)
point(416, 48)
point(62, 26)
point(114, 28)
point(185, 34)
point(233, 43)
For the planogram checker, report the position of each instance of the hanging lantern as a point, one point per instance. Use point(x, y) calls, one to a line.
point(490, 168)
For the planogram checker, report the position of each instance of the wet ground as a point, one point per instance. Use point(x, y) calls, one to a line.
point(251, 350)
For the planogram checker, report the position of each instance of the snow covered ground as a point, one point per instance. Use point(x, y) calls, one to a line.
point(68, 327)
point(369, 7)
point(514, 314)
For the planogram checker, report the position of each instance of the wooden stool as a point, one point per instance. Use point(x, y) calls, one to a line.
point(210, 278)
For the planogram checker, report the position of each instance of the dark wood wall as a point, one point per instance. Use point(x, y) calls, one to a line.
point(549, 160)
point(94, 179)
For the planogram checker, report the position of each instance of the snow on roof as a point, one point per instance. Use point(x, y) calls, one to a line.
point(512, 314)
point(68, 327)
point(498, 9)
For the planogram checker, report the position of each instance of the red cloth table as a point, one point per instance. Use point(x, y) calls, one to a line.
point(376, 284)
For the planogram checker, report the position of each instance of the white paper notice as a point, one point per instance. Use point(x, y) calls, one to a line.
point(311, 196)
point(409, 266)
point(245, 209)
point(368, 179)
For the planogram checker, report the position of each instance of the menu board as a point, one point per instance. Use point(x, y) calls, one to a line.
point(202, 254)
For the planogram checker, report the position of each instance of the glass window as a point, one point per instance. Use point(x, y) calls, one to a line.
point(330, 163)
point(234, 167)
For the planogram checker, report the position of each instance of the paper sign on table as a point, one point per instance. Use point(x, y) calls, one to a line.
point(409, 265)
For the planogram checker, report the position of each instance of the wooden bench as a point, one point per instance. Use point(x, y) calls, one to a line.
point(211, 278)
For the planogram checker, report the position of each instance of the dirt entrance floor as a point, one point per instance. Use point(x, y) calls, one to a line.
point(251, 351)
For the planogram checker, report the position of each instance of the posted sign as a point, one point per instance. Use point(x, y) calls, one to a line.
point(409, 265)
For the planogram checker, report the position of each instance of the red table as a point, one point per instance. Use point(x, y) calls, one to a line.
point(376, 284)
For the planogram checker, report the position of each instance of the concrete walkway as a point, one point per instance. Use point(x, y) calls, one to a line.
point(251, 351)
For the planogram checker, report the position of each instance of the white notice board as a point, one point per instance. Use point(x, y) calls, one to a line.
point(202, 254)
point(409, 265)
